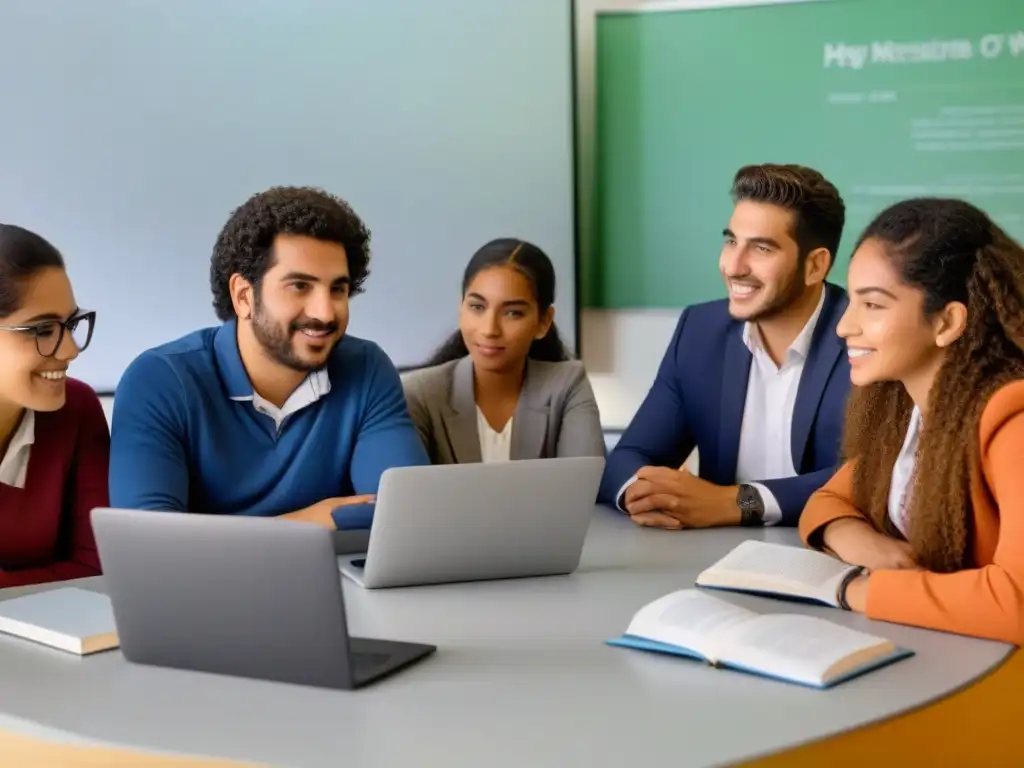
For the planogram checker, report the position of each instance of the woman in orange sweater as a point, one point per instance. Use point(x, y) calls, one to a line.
point(931, 499)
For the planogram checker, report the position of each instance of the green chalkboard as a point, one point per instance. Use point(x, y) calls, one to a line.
point(888, 98)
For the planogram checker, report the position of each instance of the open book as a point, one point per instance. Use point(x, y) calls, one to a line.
point(71, 619)
point(789, 647)
point(777, 570)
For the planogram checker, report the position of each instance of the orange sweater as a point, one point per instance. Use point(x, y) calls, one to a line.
point(986, 601)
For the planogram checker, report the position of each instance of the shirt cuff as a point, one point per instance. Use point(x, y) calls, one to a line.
point(620, 497)
point(772, 510)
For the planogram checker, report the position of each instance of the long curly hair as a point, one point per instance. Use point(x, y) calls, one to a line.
point(245, 244)
point(953, 252)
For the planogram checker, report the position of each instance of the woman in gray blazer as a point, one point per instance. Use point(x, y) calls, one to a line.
point(502, 387)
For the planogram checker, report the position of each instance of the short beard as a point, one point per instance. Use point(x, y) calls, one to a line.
point(791, 292)
point(276, 340)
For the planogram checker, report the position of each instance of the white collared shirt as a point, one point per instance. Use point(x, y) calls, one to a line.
point(14, 464)
point(903, 474)
point(494, 445)
point(765, 450)
point(316, 385)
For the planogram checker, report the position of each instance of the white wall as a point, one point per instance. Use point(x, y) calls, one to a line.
point(130, 192)
point(621, 349)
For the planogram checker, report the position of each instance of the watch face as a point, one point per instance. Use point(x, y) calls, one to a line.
point(750, 506)
point(749, 498)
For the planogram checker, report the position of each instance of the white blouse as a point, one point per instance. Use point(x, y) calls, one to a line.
point(14, 463)
point(903, 474)
point(494, 446)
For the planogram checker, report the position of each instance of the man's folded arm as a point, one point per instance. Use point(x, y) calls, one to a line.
point(791, 493)
point(387, 438)
point(658, 434)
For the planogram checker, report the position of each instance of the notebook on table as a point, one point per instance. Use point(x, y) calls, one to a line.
point(793, 648)
point(777, 570)
point(67, 618)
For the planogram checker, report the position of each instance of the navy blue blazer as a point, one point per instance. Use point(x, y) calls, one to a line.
point(698, 396)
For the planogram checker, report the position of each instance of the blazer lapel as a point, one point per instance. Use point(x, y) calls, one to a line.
point(530, 422)
point(460, 418)
point(735, 372)
point(826, 347)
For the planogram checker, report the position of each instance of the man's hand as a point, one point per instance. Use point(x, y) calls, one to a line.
point(854, 541)
point(661, 494)
point(320, 513)
point(656, 520)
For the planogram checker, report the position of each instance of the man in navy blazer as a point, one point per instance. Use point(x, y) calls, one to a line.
point(757, 382)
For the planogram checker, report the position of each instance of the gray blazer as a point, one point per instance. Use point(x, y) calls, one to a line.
point(556, 415)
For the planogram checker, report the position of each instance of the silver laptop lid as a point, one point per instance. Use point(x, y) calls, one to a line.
point(463, 522)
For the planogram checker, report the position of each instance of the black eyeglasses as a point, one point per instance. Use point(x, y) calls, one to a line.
point(50, 333)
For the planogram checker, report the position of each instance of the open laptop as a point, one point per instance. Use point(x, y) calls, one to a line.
point(471, 522)
point(246, 596)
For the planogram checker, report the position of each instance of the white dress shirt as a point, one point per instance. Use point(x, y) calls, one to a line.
point(14, 464)
point(765, 451)
point(494, 445)
point(903, 474)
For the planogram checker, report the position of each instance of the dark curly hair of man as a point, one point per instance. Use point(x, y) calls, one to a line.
point(245, 243)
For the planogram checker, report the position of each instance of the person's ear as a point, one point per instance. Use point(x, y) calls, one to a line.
point(950, 323)
point(816, 266)
point(241, 291)
point(547, 319)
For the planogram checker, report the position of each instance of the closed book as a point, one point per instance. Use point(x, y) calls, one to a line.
point(68, 618)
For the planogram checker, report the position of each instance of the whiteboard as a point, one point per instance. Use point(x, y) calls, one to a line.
point(132, 128)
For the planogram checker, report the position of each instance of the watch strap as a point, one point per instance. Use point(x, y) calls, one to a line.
point(852, 574)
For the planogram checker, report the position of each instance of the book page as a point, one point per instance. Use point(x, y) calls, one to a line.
point(803, 648)
point(688, 619)
point(793, 571)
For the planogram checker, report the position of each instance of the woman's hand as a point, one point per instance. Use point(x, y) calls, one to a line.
point(854, 541)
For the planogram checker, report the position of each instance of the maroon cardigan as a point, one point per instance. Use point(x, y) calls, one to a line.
point(45, 530)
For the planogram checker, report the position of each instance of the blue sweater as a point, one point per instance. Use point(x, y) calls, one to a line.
point(181, 443)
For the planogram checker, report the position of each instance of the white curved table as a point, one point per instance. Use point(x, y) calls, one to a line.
point(521, 677)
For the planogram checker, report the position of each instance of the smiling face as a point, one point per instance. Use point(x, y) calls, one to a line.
point(299, 311)
point(760, 261)
point(27, 378)
point(500, 319)
point(887, 334)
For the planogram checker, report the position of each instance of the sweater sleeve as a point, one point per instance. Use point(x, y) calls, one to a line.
point(148, 457)
point(86, 489)
point(387, 438)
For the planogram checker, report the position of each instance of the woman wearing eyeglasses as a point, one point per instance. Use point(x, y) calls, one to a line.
point(54, 439)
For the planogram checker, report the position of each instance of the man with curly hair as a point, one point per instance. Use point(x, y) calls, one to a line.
point(276, 412)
